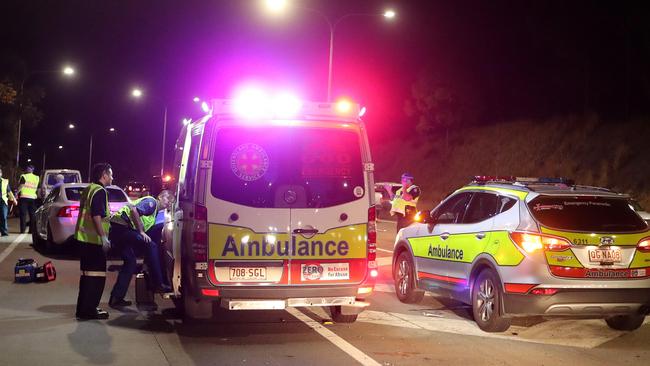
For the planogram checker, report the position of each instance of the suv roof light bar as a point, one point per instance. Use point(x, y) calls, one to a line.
point(482, 179)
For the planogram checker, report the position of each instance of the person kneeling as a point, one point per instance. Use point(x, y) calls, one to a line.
point(135, 228)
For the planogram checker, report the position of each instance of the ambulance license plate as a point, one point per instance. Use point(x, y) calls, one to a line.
point(247, 273)
point(605, 255)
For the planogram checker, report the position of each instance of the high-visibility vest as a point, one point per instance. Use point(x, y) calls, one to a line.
point(398, 204)
point(147, 220)
point(28, 190)
point(4, 191)
point(85, 230)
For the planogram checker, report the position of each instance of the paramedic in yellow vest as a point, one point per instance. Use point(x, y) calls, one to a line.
point(137, 228)
point(404, 201)
point(92, 234)
point(6, 197)
point(27, 197)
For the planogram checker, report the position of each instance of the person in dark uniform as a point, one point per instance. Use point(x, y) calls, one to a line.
point(92, 234)
point(404, 201)
point(138, 228)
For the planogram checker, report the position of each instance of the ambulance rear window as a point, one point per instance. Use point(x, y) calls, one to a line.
point(587, 214)
point(276, 167)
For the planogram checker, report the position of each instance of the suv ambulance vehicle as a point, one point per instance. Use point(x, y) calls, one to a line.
point(275, 209)
point(524, 246)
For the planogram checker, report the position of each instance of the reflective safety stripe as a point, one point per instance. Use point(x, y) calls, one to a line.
point(93, 273)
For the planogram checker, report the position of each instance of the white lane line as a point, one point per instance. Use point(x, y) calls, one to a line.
point(339, 342)
point(384, 250)
point(12, 246)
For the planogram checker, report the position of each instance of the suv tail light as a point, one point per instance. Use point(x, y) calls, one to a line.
point(644, 245)
point(372, 241)
point(531, 242)
point(66, 211)
point(200, 234)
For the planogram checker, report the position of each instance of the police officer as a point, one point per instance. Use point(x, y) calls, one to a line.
point(136, 227)
point(404, 201)
point(92, 233)
point(6, 197)
point(27, 197)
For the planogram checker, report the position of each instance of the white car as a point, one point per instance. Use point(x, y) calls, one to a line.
point(57, 217)
point(645, 215)
point(48, 180)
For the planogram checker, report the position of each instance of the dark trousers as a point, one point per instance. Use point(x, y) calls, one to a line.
point(4, 226)
point(405, 220)
point(26, 206)
point(92, 262)
point(130, 243)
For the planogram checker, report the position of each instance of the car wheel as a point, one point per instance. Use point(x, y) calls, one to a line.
point(487, 297)
point(625, 322)
point(338, 316)
point(404, 276)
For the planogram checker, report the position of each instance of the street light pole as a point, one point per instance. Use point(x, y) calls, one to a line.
point(162, 159)
point(90, 156)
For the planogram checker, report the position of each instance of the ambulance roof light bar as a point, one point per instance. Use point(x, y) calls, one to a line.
point(483, 179)
point(287, 108)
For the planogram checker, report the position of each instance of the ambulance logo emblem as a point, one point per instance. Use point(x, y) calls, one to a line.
point(606, 240)
point(249, 162)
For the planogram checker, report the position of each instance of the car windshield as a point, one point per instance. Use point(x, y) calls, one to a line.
point(114, 195)
point(287, 167)
point(587, 214)
point(67, 178)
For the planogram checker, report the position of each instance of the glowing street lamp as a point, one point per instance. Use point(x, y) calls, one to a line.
point(111, 129)
point(60, 147)
point(71, 126)
point(280, 6)
point(68, 70)
point(136, 92)
point(196, 99)
point(29, 144)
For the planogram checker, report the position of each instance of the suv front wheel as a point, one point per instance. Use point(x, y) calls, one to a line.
point(486, 303)
point(404, 276)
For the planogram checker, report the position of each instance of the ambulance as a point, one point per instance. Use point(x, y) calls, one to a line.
point(274, 209)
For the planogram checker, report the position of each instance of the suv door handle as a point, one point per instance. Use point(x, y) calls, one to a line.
point(305, 231)
point(444, 236)
point(480, 236)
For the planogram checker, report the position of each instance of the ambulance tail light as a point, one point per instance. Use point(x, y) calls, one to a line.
point(531, 242)
point(372, 237)
point(200, 234)
point(644, 245)
point(67, 211)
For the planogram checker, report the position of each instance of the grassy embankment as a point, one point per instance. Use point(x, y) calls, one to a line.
point(592, 153)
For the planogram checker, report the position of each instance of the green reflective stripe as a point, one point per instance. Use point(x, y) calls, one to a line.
point(578, 238)
point(85, 229)
point(466, 248)
point(640, 260)
point(3, 190)
point(28, 190)
point(147, 220)
point(513, 192)
point(565, 258)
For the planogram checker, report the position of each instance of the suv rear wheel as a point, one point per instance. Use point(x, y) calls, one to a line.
point(339, 317)
point(486, 303)
point(404, 276)
point(625, 322)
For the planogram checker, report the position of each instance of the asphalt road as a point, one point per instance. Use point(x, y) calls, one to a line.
point(37, 327)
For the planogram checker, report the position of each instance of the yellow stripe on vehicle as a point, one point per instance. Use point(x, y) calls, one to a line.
point(578, 238)
point(513, 192)
point(237, 243)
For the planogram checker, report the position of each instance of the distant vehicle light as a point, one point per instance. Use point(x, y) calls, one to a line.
point(167, 178)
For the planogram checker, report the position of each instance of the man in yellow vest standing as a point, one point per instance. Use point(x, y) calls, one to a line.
point(27, 197)
point(404, 201)
point(6, 196)
point(136, 228)
point(92, 234)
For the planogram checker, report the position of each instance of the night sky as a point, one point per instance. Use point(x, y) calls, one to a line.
point(511, 59)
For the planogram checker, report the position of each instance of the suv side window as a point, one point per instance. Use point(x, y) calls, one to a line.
point(482, 207)
point(506, 203)
point(452, 210)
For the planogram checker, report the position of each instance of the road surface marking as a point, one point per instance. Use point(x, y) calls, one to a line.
point(589, 333)
point(12, 246)
point(339, 342)
point(384, 250)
